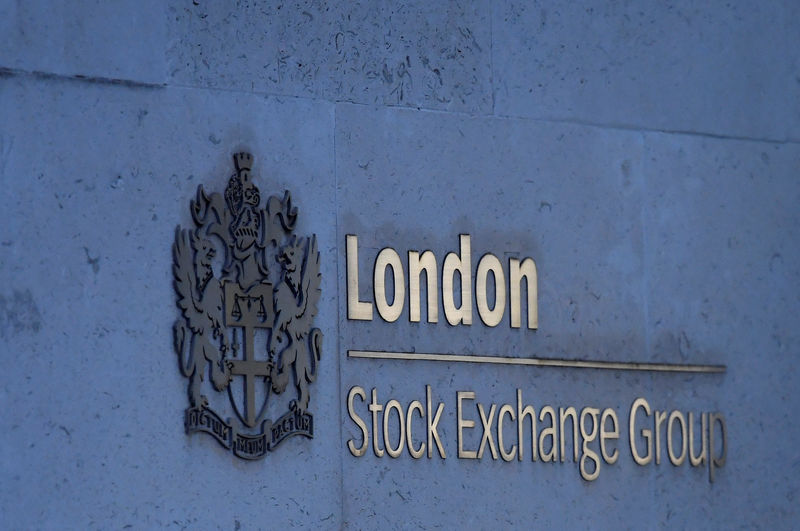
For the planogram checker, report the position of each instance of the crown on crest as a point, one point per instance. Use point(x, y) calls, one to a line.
point(243, 161)
point(238, 181)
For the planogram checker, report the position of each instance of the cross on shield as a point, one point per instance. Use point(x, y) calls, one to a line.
point(249, 310)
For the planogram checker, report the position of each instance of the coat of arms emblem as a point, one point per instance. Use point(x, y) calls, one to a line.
point(248, 290)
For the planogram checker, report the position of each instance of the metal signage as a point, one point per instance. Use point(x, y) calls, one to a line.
point(248, 290)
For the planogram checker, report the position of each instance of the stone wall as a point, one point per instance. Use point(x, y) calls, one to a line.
point(645, 154)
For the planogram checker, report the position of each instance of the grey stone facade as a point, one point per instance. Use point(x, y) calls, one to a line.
point(645, 154)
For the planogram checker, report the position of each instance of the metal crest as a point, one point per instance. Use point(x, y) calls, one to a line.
point(248, 290)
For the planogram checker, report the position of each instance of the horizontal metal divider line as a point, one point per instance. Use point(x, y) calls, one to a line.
point(539, 362)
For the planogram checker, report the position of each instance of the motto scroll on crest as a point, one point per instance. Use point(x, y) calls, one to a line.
point(248, 290)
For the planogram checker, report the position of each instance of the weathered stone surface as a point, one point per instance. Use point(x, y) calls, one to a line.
point(405, 125)
point(416, 54)
point(726, 68)
point(114, 40)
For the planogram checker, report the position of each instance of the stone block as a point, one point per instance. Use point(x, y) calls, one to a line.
point(721, 225)
point(418, 54)
point(115, 40)
point(96, 177)
point(720, 68)
point(571, 198)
